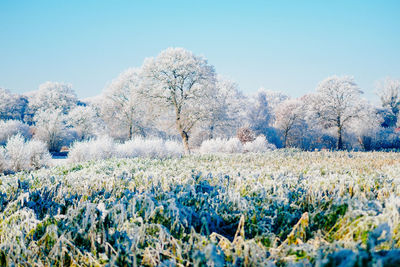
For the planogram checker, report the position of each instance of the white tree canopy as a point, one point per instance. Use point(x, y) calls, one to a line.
point(12, 106)
point(227, 110)
point(53, 95)
point(85, 121)
point(388, 91)
point(336, 104)
point(181, 84)
point(288, 116)
point(122, 106)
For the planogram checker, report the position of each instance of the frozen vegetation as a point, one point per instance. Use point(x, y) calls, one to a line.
point(173, 165)
point(19, 154)
point(177, 95)
point(105, 147)
point(256, 209)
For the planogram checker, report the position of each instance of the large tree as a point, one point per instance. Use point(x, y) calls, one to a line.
point(122, 107)
point(336, 104)
point(181, 84)
point(53, 95)
point(289, 117)
point(227, 110)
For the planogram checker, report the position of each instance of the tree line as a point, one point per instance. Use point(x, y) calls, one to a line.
point(179, 95)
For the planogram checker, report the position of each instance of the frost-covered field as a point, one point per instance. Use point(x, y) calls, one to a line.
point(280, 207)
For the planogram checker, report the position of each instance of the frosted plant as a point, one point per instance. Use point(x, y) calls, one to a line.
point(80, 151)
point(389, 92)
point(227, 110)
point(280, 207)
point(233, 145)
point(288, 117)
point(259, 145)
point(13, 127)
point(336, 104)
point(85, 122)
point(12, 106)
point(122, 106)
point(213, 146)
point(104, 148)
point(180, 84)
point(173, 148)
point(39, 156)
point(50, 127)
point(53, 95)
point(17, 156)
point(245, 134)
point(3, 159)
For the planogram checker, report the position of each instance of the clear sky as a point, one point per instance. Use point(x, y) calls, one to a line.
point(279, 45)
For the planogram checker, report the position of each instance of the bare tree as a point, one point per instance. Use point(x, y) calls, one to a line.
point(181, 84)
point(288, 115)
point(227, 110)
point(389, 93)
point(121, 106)
point(336, 104)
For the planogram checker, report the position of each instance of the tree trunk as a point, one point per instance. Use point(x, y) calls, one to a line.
point(211, 135)
point(182, 132)
point(285, 138)
point(185, 140)
point(340, 139)
point(130, 131)
point(185, 137)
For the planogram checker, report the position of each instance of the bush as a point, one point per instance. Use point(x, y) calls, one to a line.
point(245, 134)
point(213, 146)
point(16, 155)
point(13, 127)
point(3, 162)
point(259, 145)
point(95, 149)
point(141, 147)
point(233, 145)
point(105, 147)
point(20, 155)
point(38, 154)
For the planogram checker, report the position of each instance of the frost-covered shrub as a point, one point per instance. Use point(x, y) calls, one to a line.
point(80, 151)
point(233, 145)
point(141, 147)
point(50, 127)
point(95, 149)
point(19, 154)
point(213, 146)
point(38, 154)
point(173, 148)
point(105, 147)
point(13, 127)
point(259, 145)
point(3, 160)
point(152, 147)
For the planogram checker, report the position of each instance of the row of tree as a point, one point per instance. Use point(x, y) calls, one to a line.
point(179, 95)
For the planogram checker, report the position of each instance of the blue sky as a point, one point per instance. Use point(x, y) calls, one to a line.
point(281, 45)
